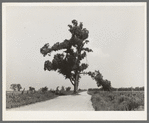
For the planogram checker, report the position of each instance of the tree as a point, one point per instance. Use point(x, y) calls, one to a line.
point(68, 63)
point(19, 87)
point(32, 89)
point(23, 91)
point(44, 89)
point(57, 90)
point(105, 84)
point(68, 88)
point(142, 88)
point(62, 89)
point(15, 87)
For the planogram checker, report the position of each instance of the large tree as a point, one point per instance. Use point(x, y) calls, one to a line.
point(69, 62)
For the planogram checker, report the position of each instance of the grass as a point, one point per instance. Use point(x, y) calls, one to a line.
point(117, 101)
point(16, 99)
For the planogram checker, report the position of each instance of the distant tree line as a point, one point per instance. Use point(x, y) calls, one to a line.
point(18, 87)
point(128, 89)
point(120, 89)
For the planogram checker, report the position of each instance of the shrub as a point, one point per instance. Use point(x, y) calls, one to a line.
point(68, 88)
point(31, 89)
point(127, 103)
point(43, 89)
point(62, 89)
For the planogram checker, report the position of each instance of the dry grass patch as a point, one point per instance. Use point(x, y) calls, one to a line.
point(18, 99)
point(117, 101)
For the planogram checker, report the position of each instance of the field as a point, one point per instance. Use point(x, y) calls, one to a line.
point(117, 100)
point(16, 99)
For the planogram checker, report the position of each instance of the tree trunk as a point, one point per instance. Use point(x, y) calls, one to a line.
point(75, 88)
point(76, 84)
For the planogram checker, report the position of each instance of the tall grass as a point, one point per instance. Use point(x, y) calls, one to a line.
point(116, 101)
point(17, 99)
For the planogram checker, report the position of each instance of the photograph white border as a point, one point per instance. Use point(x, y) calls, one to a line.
point(69, 115)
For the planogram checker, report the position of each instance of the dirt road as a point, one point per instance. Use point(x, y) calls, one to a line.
point(62, 103)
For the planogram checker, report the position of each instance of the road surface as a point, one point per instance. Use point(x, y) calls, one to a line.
point(80, 102)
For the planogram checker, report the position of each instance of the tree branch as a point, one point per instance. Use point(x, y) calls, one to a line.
point(71, 82)
point(83, 73)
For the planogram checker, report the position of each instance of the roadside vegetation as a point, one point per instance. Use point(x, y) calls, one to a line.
point(117, 100)
point(17, 99)
point(21, 98)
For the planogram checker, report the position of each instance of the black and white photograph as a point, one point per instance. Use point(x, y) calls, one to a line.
point(74, 61)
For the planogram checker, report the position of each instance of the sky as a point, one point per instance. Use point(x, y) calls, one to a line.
point(116, 35)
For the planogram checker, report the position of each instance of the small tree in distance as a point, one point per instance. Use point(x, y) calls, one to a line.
point(68, 63)
point(15, 87)
point(19, 87)
point(68, 88)
point(44, 89)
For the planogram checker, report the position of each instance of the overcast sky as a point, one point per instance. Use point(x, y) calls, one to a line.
point(116, 35)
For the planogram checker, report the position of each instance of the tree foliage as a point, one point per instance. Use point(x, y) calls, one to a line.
point(97, 76)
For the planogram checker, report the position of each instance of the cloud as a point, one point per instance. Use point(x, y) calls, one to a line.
point(97, 49)
point(98, 52)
